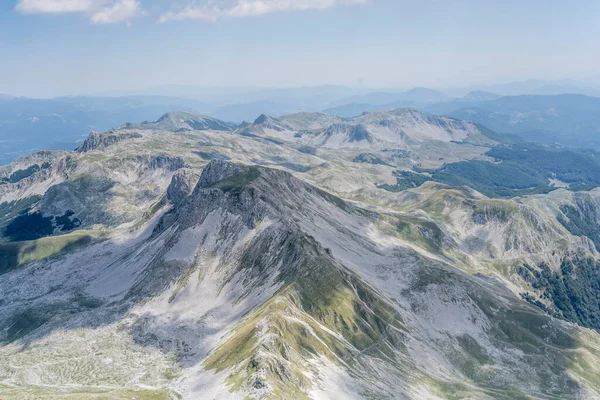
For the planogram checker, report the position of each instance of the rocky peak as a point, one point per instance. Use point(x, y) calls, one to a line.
point(359, 132)
point(182, 184)
point(262, 118)
point(216, 171)
point(97, 140)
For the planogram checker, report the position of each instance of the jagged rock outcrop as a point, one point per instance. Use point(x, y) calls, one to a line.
point(217, 170)
point(99, 195)
point(182, 184)
point(169, 163)
point(38, 158)
point(96, 140)
point(31, 176)
point(261, 119)
point(180, 121)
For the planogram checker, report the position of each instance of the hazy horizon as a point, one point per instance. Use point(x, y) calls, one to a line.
point(519, 87)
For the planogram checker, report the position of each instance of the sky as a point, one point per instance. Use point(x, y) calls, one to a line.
point(66, 47)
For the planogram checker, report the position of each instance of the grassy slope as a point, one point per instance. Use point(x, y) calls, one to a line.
point(321, 310)
point(15, 254)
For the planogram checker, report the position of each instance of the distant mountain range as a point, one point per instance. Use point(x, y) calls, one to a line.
point(28, 125)
point(416, 95)
point(532, 86)
point(567, 119)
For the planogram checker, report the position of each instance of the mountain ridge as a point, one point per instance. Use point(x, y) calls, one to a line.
point(222, 263)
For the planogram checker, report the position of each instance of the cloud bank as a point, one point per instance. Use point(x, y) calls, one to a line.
point(98, 11)
point(112, 11)
point(249, 8)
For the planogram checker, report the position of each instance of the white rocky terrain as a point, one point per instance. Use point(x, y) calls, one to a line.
point(195, 260)
point(403, 129)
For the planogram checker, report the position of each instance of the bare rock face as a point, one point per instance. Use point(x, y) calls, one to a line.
point(152, 162)
point(182, 184)
point(97, 140)
point(216, 171)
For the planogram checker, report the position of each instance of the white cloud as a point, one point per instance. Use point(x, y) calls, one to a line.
point(98, 11)
point(53, 6)
point(121, 10)
point(248, 8)
point(112, 11)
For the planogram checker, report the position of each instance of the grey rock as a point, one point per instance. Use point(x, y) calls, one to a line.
point(182, 184)
point(97, 140)
point(216, 171)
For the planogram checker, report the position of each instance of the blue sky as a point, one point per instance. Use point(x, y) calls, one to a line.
point(58, 47)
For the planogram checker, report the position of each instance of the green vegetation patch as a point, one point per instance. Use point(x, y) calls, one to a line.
point(369, 158)
point(15, 254)
point(320, 310)
point(565, 164)
point(278, 358)
point(485, 173)
point(518, 170)
point(426, 234)
point(238, 181)
point(405, 180)
point(582, 220)
point(573, 293)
